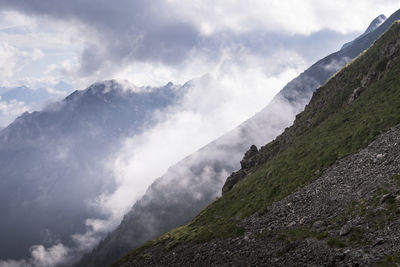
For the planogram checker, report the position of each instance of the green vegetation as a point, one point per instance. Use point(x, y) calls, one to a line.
point(336, 242)
point(378, 217)
point(396, 179)
point(357, 236)
point(300, 233)
point(289, 237)
point(331, 127)
point(137, 251)
point(389, 261)
point(295, 234)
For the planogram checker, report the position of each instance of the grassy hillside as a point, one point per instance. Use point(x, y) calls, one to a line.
point(344, 115)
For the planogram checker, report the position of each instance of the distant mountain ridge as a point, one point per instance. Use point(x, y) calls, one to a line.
point(52, 161)
point(24, 98)
point(176, 197)
point(372, 26)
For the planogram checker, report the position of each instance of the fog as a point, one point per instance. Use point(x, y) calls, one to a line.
point(95, 185)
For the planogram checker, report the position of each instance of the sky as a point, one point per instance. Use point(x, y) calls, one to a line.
point(238, 53)
point(152, 43)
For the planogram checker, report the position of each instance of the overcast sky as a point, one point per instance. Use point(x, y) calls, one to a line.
point(153, 42)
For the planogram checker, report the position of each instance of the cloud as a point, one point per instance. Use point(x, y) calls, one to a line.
point(51, 68)
point(213, 105)
point(112, 38)
point(29, 44)
point(49, 257)
point(288, 17)
point(15, 59)
point(140, 32)
point(10, 110)
point(337, 64)
point(14, 20)
point(42, 257)
point(14, 263)
point(10, 56)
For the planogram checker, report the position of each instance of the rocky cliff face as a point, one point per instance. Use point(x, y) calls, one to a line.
point(246, 164)
point(298, 204)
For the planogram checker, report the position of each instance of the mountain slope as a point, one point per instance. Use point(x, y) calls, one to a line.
point(176, 197)
point(343, 116)
point(52, 161)
point(372, 27)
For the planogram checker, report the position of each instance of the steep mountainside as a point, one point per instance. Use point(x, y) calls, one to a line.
point(321, 193)
point(52, 161)
point(190, 185)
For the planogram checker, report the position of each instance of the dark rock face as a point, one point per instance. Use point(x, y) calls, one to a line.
point(246, 164)
point(337, 220)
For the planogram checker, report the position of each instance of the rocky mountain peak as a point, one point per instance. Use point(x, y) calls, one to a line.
point(378, 21)
point(375, 23)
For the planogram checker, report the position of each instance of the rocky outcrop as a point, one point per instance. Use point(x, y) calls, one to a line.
point(246, 164)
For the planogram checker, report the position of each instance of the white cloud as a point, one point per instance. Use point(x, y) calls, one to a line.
point(36, 54)
point(9, 57)
point(26, 32)
point(14, 263)
point(38, 82)
point(50, 68)
point(42, 257)
point(66, 36)
point(16, 20)
point(66, 68)
point(290, 16)
point(35, 47)
point(48, 257)
point(10, 110)
point(335, 64)
point(14, 59)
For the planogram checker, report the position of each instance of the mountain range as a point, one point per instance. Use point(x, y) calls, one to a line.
point(52, 162)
